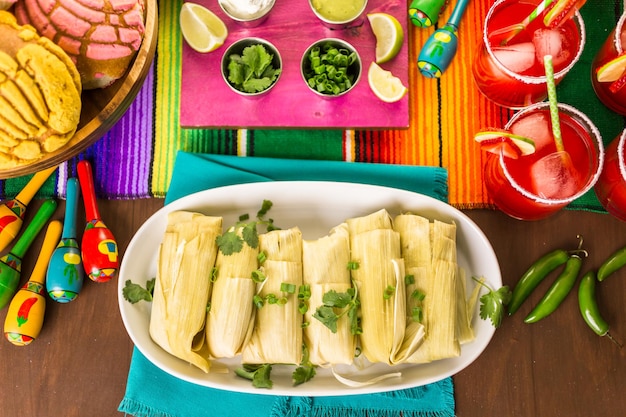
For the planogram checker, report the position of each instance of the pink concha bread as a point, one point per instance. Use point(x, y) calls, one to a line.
point(101, 36)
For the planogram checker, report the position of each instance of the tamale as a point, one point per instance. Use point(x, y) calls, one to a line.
point(230, 317)
point(277, 333)
point(379, 278)
point(440, 301)
point(325, 268)
point(182, 286)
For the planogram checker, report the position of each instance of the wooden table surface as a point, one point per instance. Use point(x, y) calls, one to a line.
point(557, 367)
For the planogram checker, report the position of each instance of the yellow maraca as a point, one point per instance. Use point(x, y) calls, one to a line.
point(27, 309)
point(12, 212)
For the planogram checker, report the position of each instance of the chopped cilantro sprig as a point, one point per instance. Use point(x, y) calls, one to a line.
point(230, 242)
point(493, 302)
point(252, 71)
point(134, 293)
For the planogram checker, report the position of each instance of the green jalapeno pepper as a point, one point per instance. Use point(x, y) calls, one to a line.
point(612, 264)
point(558, 291)
point(588, 306)
point(534, 275)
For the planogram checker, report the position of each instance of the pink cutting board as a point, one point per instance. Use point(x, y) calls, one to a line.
point(206, 100)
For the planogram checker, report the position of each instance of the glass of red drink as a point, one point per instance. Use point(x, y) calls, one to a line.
point(611, 187)
point(513, 75)
point(536, 186)
point(612, 47)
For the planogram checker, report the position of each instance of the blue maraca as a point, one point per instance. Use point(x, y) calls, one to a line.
point(441, 46)
point(65, 274)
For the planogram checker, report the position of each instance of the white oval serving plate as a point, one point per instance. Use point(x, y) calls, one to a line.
point(315, 207)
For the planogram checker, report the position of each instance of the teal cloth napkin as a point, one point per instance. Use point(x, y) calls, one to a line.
point(197, 172)
point(151, 392)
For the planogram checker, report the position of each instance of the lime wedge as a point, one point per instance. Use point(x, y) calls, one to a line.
point(502, 141)
point(612, 70)
point(203, 30)
point(560, 11)
point(389, 36)
point(384, 84)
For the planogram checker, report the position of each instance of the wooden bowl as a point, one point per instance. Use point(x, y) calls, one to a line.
point(102, 108)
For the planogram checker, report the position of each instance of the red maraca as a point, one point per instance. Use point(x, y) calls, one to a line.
point(98, 246)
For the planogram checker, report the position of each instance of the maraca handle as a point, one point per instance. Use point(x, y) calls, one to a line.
point(85, 177)
point(34, 227)
point(71, 207)
point(50, 241)
point(30, 189)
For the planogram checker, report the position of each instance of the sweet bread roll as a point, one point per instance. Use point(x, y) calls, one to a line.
point(40, 95)
point(6, 4)
point(102, 37)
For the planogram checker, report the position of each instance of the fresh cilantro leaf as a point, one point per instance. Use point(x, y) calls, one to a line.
point(493, 302)
point(134, 293)
point(229, 243)
point(302, 374)
point(336, 299)
point(306, 371)
point(348, 302)
point(327, 316)
point(258, 374)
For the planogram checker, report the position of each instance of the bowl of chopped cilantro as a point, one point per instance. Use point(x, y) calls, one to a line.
point(331, 67)
point(251, 66)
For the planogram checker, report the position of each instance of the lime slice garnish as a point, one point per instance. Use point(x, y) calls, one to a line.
point(389, 36)
point(384, 84)
point(613, 69)
point(203, 30)
point(502, 141)
point(560, 11)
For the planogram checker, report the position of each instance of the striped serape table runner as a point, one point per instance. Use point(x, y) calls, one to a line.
point(135, 159)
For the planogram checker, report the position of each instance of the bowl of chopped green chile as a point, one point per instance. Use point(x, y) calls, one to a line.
point(331, 67)
point(251, 66)
point(298, 209)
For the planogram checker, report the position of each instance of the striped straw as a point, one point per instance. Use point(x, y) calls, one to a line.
point(554, 107)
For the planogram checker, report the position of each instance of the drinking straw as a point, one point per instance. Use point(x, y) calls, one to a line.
point(516, 29)
point(554, 107)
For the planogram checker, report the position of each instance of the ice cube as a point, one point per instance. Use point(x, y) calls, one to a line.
point(517, 58)
point(552, 42)
point(537, 127)
point(555, 177)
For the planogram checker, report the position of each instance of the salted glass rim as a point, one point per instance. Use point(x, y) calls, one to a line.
point(595, 135)
point(621, 157)
point(529, 79)
point(617, 34)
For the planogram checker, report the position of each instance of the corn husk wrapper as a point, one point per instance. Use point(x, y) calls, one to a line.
point(440, 304)
point(325, 268)
point(182, 286)
point(277, 333)
point(464, 329)
point(231, 316)
point(376, 248)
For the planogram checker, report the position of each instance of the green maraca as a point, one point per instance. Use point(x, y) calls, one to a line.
point(11, 263)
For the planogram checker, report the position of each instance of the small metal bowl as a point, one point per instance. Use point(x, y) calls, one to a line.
point(237, 48)
point(355, 69)
point(354, 19)
point(246, 19)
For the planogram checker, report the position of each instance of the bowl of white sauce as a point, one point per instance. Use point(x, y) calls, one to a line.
point(247, 13)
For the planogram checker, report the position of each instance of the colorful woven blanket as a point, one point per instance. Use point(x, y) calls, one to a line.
point(135, 159)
